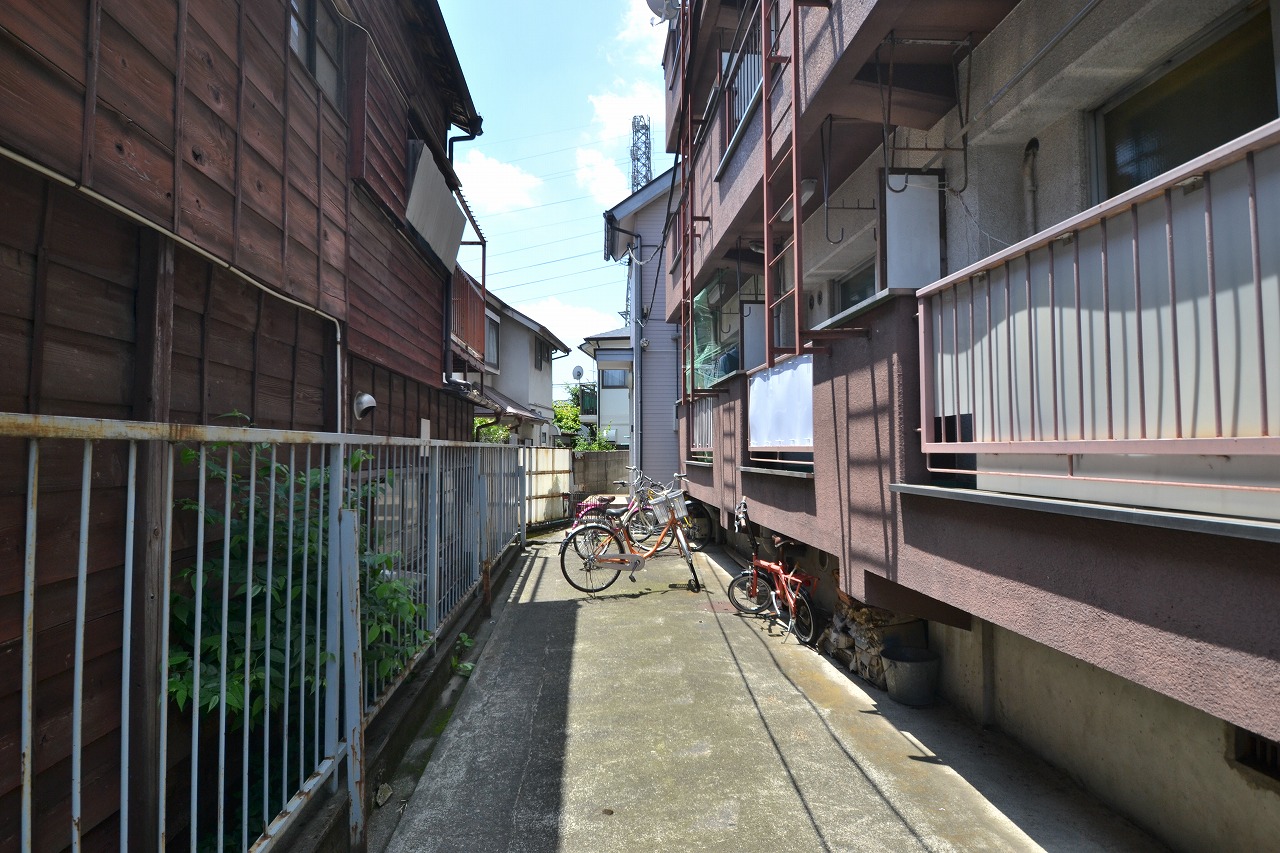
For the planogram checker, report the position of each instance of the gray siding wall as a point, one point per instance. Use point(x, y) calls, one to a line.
point(660, 374)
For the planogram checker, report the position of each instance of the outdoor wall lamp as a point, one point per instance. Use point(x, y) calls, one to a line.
point(363, 404)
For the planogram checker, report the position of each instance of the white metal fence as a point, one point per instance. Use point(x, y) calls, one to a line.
point(211, 616)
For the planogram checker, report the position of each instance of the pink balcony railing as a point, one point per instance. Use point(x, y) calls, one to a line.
point(1146, 327)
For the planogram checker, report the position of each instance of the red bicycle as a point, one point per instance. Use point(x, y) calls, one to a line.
point(775, 587)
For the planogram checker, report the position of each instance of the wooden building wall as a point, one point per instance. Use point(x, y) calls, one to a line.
point(199, 118)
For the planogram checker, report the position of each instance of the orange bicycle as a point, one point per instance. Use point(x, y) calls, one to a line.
point(594, 554)
point(774, 586)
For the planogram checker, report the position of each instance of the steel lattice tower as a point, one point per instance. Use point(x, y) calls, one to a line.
point(641, 162)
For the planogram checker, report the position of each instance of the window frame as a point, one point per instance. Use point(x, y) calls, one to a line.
point(304, 20)
point(492, 324)
point(603, 384)
point(1190, 50)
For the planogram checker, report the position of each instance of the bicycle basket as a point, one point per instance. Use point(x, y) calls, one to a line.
point(671, 502)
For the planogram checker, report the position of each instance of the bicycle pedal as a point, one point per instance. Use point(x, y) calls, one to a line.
point(631, 578)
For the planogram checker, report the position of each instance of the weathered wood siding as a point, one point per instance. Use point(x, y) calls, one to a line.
point(199, 118)
point(404, 403)
point(397, 299)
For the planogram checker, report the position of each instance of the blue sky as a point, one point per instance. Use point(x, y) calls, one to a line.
point(557, 83)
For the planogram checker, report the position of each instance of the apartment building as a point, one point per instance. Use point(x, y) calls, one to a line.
point(981, 302)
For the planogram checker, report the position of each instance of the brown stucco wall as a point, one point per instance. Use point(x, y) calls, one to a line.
point(1187, 614)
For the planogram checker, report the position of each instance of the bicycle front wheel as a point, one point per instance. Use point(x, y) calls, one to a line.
point(581, 553)
point(804, 624)
point(749, 592)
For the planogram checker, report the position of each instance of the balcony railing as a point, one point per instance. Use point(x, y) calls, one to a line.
point(742, 75)
point(702, 435)
point(468, 323)
point(1145, 331)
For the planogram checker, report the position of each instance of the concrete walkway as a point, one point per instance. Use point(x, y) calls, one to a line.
point(650, 718)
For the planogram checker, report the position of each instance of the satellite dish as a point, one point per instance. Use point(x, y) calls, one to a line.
point(577, 372)
point(666, 10)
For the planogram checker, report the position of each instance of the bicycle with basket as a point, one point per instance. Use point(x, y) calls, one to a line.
point(594, 554)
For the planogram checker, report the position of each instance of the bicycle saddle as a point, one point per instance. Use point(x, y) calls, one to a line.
point(784, 542)
point(615, 511)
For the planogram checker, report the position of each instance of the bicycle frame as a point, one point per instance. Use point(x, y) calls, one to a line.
point(783, 581)
point(634, 559)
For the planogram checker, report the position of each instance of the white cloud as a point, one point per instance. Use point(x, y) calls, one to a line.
point(643, 40)
point(492, 186)
point(601, 177)
point(636, 90)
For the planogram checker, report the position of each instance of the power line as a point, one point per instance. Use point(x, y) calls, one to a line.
point(579, 145)
point(544, 263)
point(557, 293)
point(535, 207)
point(546, 243)
point(541, 280)
point(490, 142)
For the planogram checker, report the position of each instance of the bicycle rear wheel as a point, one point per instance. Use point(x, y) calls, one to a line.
point(643, 524)
point(580, 553)
point(697, 530)
point(804, 623)
point(747, 596)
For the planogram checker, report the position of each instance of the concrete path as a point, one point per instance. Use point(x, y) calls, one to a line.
point(650, 718)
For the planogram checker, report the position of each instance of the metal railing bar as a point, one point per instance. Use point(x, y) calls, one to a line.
point(955, 363)
point(1256, 261)
point(227, 512)
point(1227, 445)
point(1053, 336)
point(973, 370)
point(1032, 361)
point(197, 641)
point(77, 701)
point(247, 704)
point(166, 589)
point(320, 594)
point(992, 422)
point(302, 617)
point(286, 715)
point(29, 638)
point(17, 425)
point(1106, 332)
point(307, 787)
point(1137, 321)
point(1008, 339)
point(267, 644)
point(1213, 305)
point(1075, 273)
point(126, 640)
point(333, 596)
point(1173, 312)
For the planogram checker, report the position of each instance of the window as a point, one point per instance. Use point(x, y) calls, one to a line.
point(1219, 93)
point(491, 329)
point(855, 287)
point(728, 329)
point(315, 35)
point(613, 378)
point(541, 353)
